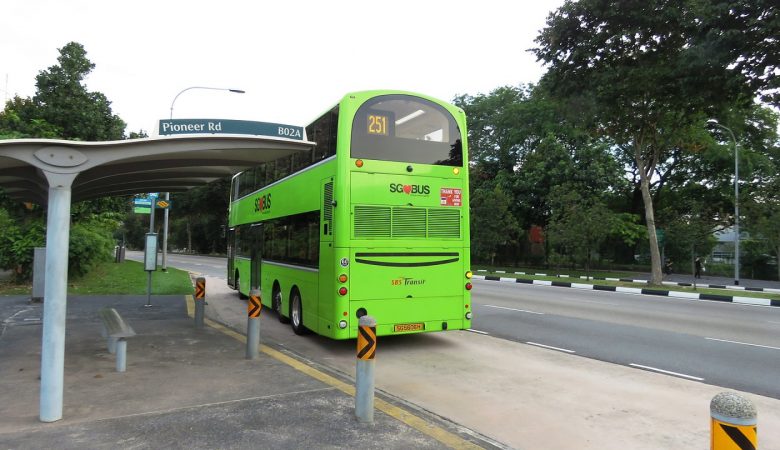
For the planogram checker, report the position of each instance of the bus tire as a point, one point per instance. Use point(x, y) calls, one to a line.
point(276, 304)
point(296, 313)
point(238, 288)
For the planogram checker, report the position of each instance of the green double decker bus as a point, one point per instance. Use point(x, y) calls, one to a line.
point(373, 221)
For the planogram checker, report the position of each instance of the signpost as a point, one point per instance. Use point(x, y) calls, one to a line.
point(142, 205)
point(150, 250)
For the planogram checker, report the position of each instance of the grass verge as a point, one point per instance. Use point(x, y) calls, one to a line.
point(127, 278)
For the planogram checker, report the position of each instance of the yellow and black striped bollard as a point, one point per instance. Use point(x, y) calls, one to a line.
point(253, 308)
point(200, 301)
point(733, 424)
point(364, 377)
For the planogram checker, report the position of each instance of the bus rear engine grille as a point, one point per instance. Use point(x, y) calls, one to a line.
point(403, 222)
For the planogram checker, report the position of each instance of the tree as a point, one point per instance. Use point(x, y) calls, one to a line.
point(199, 217)
point(743, 35)
point(650, 72)
point(577, 226)
point(63, 100)
point(491, 216)
point(62, 108)
point(762, 209)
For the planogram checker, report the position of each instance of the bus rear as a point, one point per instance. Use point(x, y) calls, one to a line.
point(402, 254)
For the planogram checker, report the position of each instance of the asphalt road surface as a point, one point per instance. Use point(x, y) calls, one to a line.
point(723, 344)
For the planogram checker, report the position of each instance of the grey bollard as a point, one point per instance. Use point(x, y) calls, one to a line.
point(121, 355)
point(200, 301)
point(253, 308)
point(364, 376)
point(112, 345)
point(733, 422)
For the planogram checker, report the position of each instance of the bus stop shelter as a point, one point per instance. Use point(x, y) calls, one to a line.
point(55, 173)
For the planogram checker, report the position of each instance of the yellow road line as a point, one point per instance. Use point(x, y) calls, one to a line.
point(445, 437)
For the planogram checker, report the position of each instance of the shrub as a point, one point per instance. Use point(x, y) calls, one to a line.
point(91, 242)
point(17, 245)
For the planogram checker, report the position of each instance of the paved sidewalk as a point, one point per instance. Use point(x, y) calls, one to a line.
point(184, 388)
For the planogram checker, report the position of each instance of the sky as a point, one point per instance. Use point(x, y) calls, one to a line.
point(294, 58)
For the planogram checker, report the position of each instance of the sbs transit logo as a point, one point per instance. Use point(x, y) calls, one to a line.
point(263, 203)
point(410, 189)
point(405, 281)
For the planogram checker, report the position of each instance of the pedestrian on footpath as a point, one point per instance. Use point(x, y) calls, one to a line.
point(698, 266)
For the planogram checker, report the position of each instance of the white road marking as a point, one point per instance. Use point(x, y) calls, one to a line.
point(551, 347)
point(600, 303)
point(476, 331)
point(743, 343)
point(513, 309)
point(668, 372)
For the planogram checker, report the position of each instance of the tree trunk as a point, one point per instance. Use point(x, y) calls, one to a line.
point(656, 276)
point(778, 262)
point(189, 237)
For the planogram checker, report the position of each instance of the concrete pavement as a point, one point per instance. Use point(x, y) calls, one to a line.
point(188, 388)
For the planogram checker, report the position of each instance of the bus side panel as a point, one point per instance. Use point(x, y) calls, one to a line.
point(327, 308)
point(289, 278)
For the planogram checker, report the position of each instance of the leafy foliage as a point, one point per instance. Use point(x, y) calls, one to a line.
point(17, 244)
point(91, 242)
point(62, 108)
point(650, 72)
point(491, 216)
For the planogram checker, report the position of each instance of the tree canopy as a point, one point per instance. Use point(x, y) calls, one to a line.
point(62, 108)
point(651, 73)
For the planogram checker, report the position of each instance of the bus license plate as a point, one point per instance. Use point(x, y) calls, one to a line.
point(409, 327)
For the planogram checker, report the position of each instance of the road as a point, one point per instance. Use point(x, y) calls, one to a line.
point(728, 345)
point(724, 344)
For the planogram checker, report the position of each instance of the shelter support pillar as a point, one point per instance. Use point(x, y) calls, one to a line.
point(55, 296)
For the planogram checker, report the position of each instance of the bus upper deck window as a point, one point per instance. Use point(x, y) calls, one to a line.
point(406, 129)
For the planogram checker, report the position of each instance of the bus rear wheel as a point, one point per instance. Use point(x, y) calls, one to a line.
point(276, 304)
point(296, 313)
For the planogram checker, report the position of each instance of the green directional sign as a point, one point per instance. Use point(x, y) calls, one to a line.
point(223, 126)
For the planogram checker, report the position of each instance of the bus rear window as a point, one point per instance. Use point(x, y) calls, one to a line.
point(406, 129)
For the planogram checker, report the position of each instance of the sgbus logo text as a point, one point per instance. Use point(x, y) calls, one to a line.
point(263, 203)
point(421, 189)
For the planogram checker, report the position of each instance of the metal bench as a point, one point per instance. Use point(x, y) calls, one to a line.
point(116, 330)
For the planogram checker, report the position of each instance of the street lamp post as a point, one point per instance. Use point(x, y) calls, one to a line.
point(736, 199)
point(167, 194)
point(236, 91)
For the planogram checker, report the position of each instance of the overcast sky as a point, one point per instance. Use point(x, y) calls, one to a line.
point(294, 58)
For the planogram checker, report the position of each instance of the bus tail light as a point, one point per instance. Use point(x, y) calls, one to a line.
point(343, 278)
point(359, 163)
point(343, 324)
point(468, 315)
point(342, 290)
point(469, 274)
point(468, 286)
